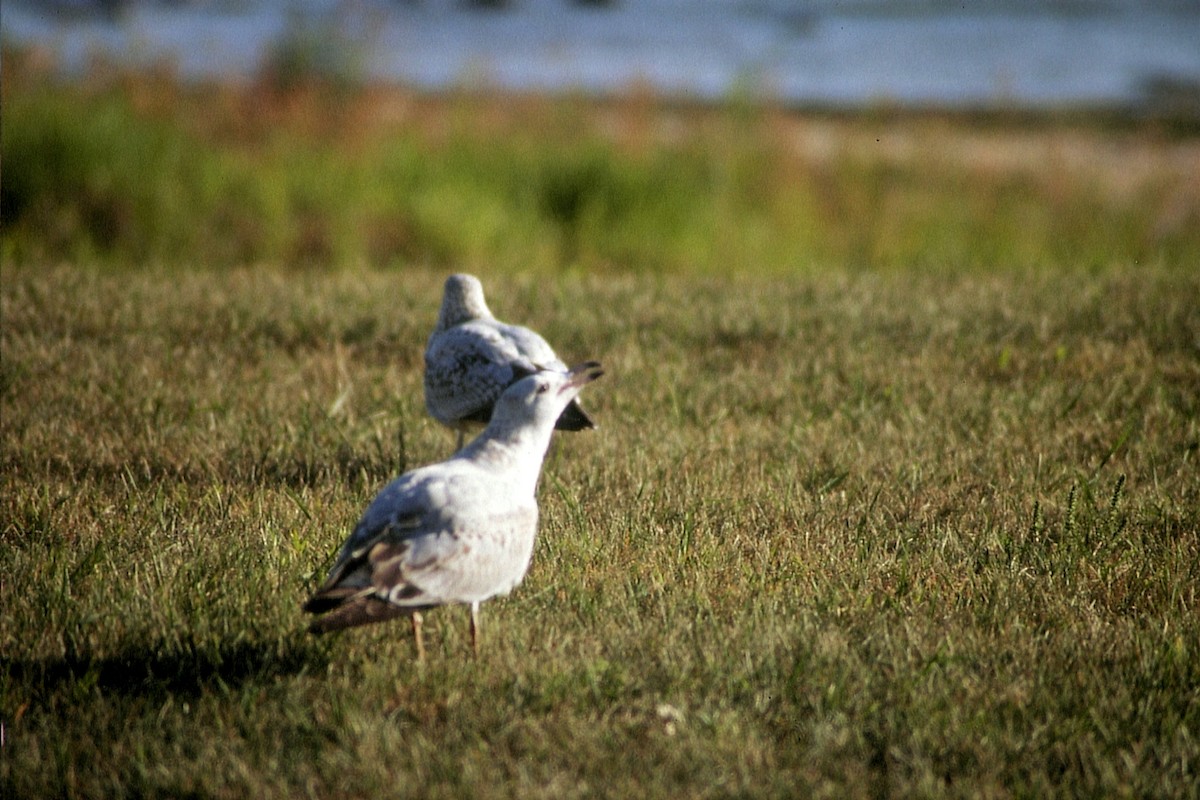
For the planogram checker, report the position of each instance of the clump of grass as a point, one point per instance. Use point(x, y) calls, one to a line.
point(825, 542)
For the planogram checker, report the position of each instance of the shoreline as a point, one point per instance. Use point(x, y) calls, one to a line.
point(1169, 103)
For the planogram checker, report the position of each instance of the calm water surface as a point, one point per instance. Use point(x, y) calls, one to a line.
point(985, 52)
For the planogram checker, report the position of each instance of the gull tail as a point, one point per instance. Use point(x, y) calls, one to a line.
point(349, 608)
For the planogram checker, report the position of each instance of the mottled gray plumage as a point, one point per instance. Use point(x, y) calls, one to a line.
point(471, 358)
point(459, 531)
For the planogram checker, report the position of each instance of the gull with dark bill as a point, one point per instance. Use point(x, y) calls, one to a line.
point(472, 357)
point(459, 531)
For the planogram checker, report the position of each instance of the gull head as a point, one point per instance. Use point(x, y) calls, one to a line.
point(462, 301)
point(540, 398)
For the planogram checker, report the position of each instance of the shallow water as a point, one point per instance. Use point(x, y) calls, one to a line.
point(987, 52)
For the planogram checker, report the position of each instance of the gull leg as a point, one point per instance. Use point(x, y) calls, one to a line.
point(475, 628)
point(416, 626)
point(460, 441)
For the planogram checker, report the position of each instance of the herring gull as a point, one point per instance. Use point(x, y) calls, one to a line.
point(472, 357)
point(459, 531)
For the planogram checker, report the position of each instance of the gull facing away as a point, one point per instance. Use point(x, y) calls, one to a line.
point(472, 357)
point(459, 531)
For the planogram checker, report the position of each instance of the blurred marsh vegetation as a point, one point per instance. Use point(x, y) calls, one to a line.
point(303, 168)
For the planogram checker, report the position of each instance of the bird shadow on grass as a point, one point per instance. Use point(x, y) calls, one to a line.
point(151, 669)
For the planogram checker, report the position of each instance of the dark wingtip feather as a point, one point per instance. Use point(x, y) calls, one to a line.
point(350, 612)
point(574, 418)
point(328, 598)
point(320, 604)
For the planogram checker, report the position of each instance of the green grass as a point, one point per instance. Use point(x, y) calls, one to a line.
point(840, 534)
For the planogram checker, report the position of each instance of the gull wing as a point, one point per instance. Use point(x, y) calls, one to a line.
point(467, 368)
point(531, 346)
point(371, 579)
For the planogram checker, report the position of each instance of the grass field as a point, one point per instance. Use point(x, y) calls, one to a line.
point(837, 536)
point(895, 492)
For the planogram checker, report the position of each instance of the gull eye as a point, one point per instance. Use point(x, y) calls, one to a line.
point(542, 387)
